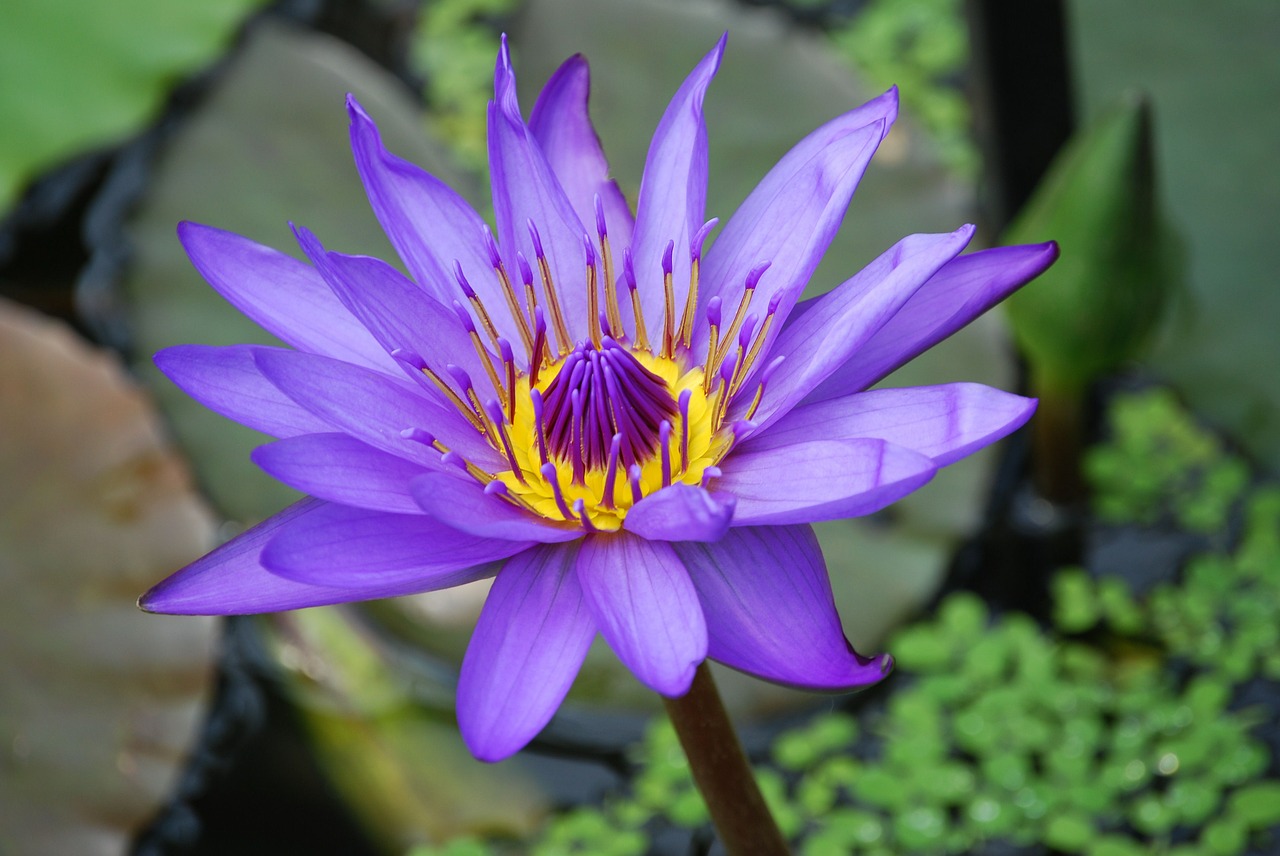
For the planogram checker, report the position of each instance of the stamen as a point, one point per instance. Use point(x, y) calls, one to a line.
point(549, 475)
point(685, 335)
point(611, 474)
point(722, 393)
point(415, 361)
point(633, 476)
point(526, 277)
point(683, 404)
point(418, 435)
point(577, 453)
point(764, 379)
point(668, 303)
point(494, 409)
point(593, 296)
point(739, 365)
point(539, 345)
point(629, 277)
point(539, 426)
point(612, 310)
point(463, 380)
point(711, 472)
point(563, 342)
point(748, 291)
point(509, 364)
point(481, 351)
point(495, 259)
point(664, 441)
point(485, 320)
point(758, 344)
point(499, 488)
point(713, 324)
point(580, 509)
point(453, 459)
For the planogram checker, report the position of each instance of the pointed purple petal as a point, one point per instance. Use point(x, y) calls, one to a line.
point(530, 641)
point(373, 408)
point(562, 126)
point(681, 512)
point(943, 422)
point(770, 612)
point(646, 608)
point(282, 295)
point(820, 480)
point(341, 469)
point(526, 189)
point(836, 326)
point(429, 224)
point(962, 290)
point(398, 313)
point(343, 547)
point(226, 380)
point(232, 581)
point(673, 192)
point(467, 508)
point(795, 211)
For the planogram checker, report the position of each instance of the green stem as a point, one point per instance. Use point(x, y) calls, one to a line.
point(721, 771)
point(1057, 442)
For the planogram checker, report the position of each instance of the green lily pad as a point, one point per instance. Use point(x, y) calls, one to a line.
point(76, 76)
point(99, 702)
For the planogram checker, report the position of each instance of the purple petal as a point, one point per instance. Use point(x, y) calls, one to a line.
point(429, 224)
point(526, 189)
point(646, 608)
point(820, 480)
point(232, 581)
point(282, 295)
point(343, 547)
point(841, 322)
point(944, 422)
point(681, 512)
point(965, 288)
point(227, 381)
point(770, 612)
point(398, 313)
point(673, 192)
point(562, 127)
point(530, 641)
point(465, 507)
point(373, 408)
point(795, 211)
point(341, 469)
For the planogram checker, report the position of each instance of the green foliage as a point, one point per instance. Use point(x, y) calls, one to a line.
point(1001, 730)
point(922, 46)
point(454, 46)
point(1159, 462)
point(1099, 303)
point(76, 76)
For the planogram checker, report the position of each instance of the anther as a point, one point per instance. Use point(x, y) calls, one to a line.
point(580, 509)
point(463, 380)
point(508, 292)
point(668, 302)
point(509, 367)
point(474, 299)
point(683, 404)
point(748, 291)
point(613, 312)
point(418, 435)
point(629, 278)
point(593, 296)
point(633, 476)
point(494, 409)
point(549, 475)
point(563, 341)
point(711, 472)
point(664, 440)
point(416, 362)
point(685, 335)
point(611, 474)
point(481, 352)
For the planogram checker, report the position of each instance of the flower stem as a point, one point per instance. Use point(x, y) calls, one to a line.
point(721, 771)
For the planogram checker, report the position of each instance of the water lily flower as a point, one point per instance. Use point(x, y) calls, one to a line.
point(628, 425)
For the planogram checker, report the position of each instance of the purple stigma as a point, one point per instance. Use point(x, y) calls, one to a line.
point(526, 272)
point(753, 276)
point(462, 280)
point(536, 239)
point(590, 248)
point(700, 237)
point(491, 246)
point(464, 317)
point(713, 311)
point(602, 228)
point(600, 398)
point(628, 270)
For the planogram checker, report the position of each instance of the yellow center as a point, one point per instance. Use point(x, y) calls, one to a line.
point(605, 501)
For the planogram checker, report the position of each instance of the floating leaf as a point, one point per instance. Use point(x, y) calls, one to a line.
point(99, 702)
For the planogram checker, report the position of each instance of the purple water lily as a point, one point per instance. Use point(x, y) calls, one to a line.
point(631, 429)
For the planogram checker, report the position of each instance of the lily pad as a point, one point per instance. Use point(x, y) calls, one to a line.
point(99, 702)
point(75, 76)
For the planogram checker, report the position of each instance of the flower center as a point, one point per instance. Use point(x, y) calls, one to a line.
point(589, 427)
